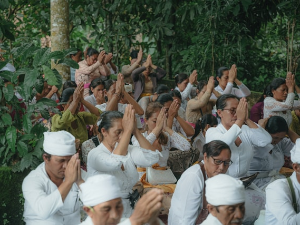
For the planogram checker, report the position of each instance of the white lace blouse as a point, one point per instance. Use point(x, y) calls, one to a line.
point(174, 141)
point(102, 161)
point(272, 107)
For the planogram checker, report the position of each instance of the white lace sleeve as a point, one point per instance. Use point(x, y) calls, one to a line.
point(186, 92)
point(271, 104)
point(143, 157)
point(86, 147)
point(151, 138)
point(179, 142)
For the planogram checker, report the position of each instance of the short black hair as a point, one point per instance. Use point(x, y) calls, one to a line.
point(214, 148)
point(163, 98)
point(47, 155)
point(277, 124)
point(94, 83)
point(276, 83)
point(179, 78)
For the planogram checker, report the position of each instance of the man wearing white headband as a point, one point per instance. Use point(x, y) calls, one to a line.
point(226, 200)
point(283, 200)
point(51, 190)
point(101, 197)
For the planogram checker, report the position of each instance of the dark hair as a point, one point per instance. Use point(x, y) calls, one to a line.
point(91, 51)
point(202, 122)
point(274, 85)
point(78, 50)
point(179, 78)
point(163, 98)
point(222, 100)
point(175, 93)
point(262, 97)
point(152, 108)
point(47, 155)
point(214, 148)
point(162, 88)
point(276, 124)
point(69, 84)
point(66, 94)
point(220, 73)
point(107, 118)
point(108, 83)
point(134, 54)
point(96, 82)
point(201, 84)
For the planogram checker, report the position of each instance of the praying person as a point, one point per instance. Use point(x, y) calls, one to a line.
point(101, 197)
point(283, 200)
point(51, 190)
point(226, 200)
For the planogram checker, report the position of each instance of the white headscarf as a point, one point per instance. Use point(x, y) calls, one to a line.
point(295, 152)
point(224, 190)
point(98, 189)
point(60, 143)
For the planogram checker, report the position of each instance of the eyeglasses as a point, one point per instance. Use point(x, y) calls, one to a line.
point(219, 162)
point(232, 111)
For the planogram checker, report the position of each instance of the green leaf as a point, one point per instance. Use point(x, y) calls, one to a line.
point(6, 118)
point(26, 137)
point(167, 31)
point(49, 76)
point(46, 102)
point(236, 9)
point(39, 85)
point(246, 4)
point(11, 136)
point(45, 57)
point(22, 148)
point(26, 161)
point(56, 55)
point(58, 78)
point(38, 149)
point(45, 113)
point(30, 77)
point(38, 56)
point(70, 62)
point(30, 51)
point(27, 125)
point(6, 75)
point(38, 129)
point(8, 92)
point(70, 51)
point(2, 64)
point(4, 4)
point(2, 139)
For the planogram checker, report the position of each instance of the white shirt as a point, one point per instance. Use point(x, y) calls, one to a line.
point(187, 199)
point(177, 127)
point(241, 156)
point(211, 220)
point(185, 94)
point(91, 99)
point(240, 92)
point(89, 221)
point(268, 160)
point(279, 208)
point(102, 161)
point(272, 107)
point(43, 202)
point(121, 108)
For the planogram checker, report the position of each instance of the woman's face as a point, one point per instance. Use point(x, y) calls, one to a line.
point(167, 106)
point(228, 114)
point(280, 93)
point(97, 91)
point(113, 134)
point(183, 85)
point(224, 79)
point(210, 166)
point(277, 137)
point(151, 121)
point(92, 59)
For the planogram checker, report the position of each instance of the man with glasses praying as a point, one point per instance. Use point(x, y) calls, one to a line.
point(188, 205)
point(241, 134)
point(283, 200)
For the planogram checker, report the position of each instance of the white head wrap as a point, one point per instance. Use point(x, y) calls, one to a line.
point(60, 143)
point(98, 189)
point(224, 190)
point(295, 152)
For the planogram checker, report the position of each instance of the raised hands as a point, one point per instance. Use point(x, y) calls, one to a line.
point(160, 122)
point(232, 73)
point(173, 110)
point(193, 77)
point(140, 56)
point(148, 61)
point(78, 93)
point(119, 84)
point(210, 84)
point(101, 57)
point(108, 58)
point(290, 82)
point(128, 121)
point(73, 172)
point(242, 110)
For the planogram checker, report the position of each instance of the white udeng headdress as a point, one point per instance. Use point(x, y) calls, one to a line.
point(60, 143)
point(224, 190)
point(98, 189)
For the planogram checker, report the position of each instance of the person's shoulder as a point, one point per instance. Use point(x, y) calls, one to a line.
point(194, 170)
point(277, 184)
point(36, 175)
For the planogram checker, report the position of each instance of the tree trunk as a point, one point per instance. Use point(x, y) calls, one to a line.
point(60, 33)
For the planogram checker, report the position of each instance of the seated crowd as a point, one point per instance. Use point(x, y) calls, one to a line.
point(106, 156)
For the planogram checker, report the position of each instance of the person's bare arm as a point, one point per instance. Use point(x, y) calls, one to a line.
point(188, 129)
point(138, 109)
point(76, 98)
point(293, 135)
point(112, 105)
